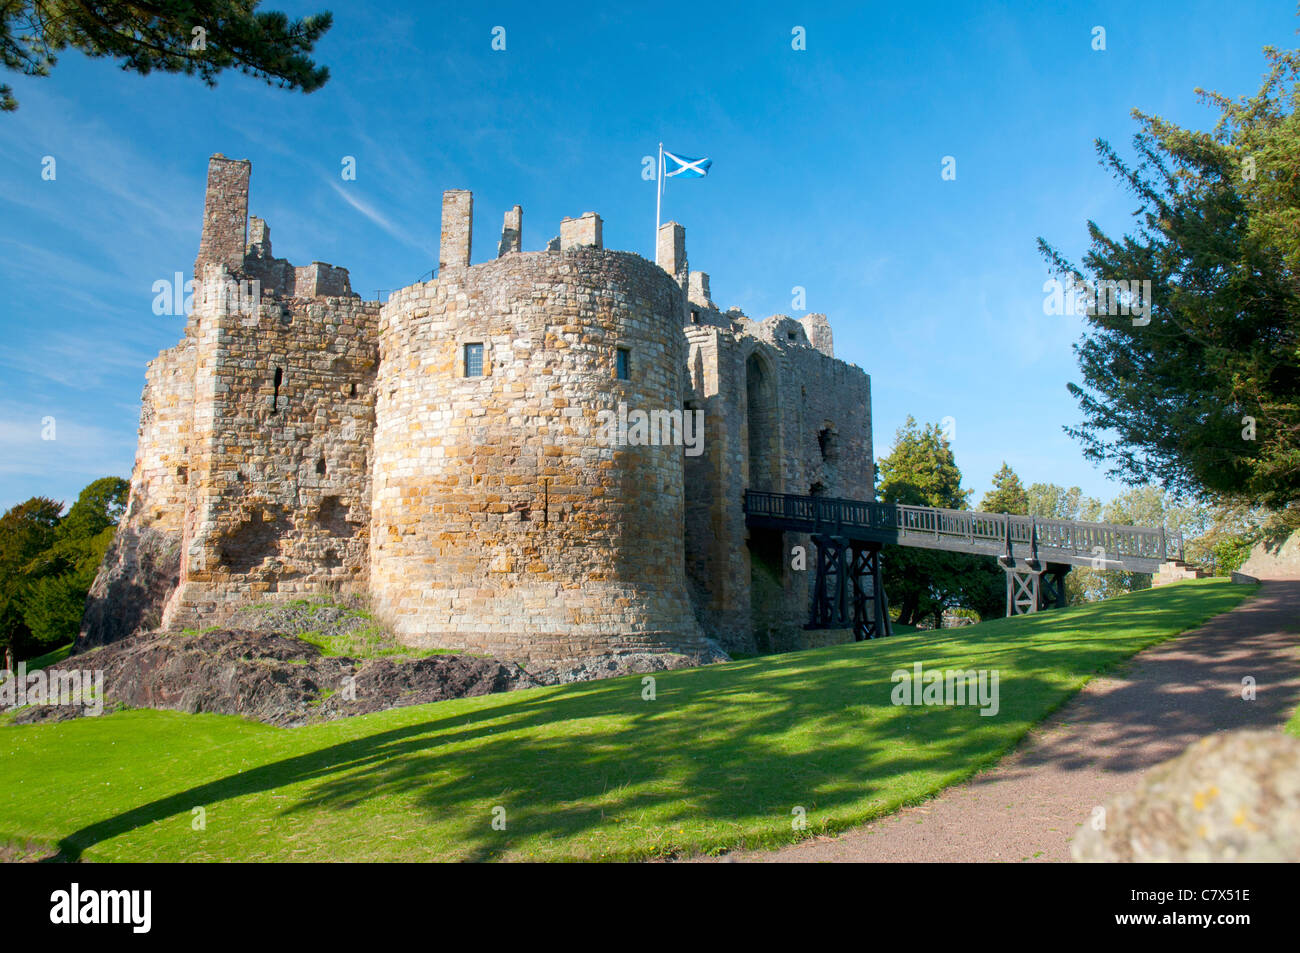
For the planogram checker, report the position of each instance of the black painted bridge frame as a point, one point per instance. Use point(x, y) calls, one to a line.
point(1036, 553)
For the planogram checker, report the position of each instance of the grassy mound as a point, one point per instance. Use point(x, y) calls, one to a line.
point(49, 658)
point(338, 630)
point(721, 756)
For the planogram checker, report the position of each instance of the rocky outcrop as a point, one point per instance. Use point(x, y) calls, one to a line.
point(286, 681)
point(273, 678)
point(1233, 796)
point(1274, 559)
point(140, 570)
point(630, 663)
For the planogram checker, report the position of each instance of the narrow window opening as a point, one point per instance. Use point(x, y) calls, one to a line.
point(826, 442)
point(695, 316)
point(621, 364)
point(320, 466)
point(275, 397)
point(473, 360)
point(352, 390)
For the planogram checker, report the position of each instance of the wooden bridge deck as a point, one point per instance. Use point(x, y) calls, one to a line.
point(1021, 539)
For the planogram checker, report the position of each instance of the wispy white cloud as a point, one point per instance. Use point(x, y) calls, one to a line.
point(67, 359)
point(80, 452)
point(92, 158)
point(384, 222)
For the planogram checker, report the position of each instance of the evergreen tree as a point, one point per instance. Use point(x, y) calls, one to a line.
point(1202, 394)
point(195, 37)
point(922, 471)
point(1008, 494)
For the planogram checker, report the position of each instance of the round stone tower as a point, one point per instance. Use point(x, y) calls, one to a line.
point(509, 516)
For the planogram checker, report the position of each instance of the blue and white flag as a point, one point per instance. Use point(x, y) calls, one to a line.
point(683, 166)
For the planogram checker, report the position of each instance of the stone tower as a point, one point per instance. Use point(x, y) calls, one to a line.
point(499, 521)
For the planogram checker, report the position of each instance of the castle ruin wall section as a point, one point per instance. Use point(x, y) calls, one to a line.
point(784, 417)
point(141, 568)
point(501, 521)
point(280, 474)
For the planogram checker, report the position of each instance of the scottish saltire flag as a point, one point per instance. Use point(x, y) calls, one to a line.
point(683, 166)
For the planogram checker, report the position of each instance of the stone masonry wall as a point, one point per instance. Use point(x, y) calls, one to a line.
point(225, 214)
point(283, 428)
point(500, 523)
point(718, 564)
point(812, 435)
point(160, 479)
point(142, 566)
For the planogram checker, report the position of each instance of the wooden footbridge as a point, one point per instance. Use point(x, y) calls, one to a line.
point(1036, 553)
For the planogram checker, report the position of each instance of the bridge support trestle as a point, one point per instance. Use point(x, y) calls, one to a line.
point(1051, 589)
point(1030, 587)
point(830, 593)
point(870, 610)
point(849, 588)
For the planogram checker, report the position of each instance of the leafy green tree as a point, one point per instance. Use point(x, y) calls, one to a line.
point(1008, 494)
point(26, 530)
point(58, 579)
point(1051, 501)
point(195, 37)
point(48, 563)
point(1205, 398)
point(99, 506)
point(922, 471)
point(1223, 537)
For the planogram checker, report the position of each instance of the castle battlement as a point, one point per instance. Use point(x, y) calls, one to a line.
point(443, 453)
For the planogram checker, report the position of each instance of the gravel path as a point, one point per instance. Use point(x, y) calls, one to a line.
point(1028, 807)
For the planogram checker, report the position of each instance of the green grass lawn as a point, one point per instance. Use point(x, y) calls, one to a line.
point(49, 658)
point(720, 758)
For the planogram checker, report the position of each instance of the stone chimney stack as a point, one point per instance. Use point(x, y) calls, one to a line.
point(585, 230)
point(698, 292)
point(670, 254)
point(512, 232)
point(819, 334)
point(225, 214)
point(457, 229)
point(259, 238)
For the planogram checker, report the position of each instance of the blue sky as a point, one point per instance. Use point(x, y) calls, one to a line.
point(826, 175)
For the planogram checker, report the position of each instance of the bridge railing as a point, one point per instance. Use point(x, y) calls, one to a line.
point(1107, 541)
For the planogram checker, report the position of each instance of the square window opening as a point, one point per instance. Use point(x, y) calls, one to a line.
point(473, 360)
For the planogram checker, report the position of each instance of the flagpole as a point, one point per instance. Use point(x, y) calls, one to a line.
point(659, 198)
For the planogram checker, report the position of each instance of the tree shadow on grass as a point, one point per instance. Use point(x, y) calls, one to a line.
point(1169, 697)
point(719, 759)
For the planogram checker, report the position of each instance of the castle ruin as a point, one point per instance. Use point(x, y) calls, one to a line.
point(449, 454)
